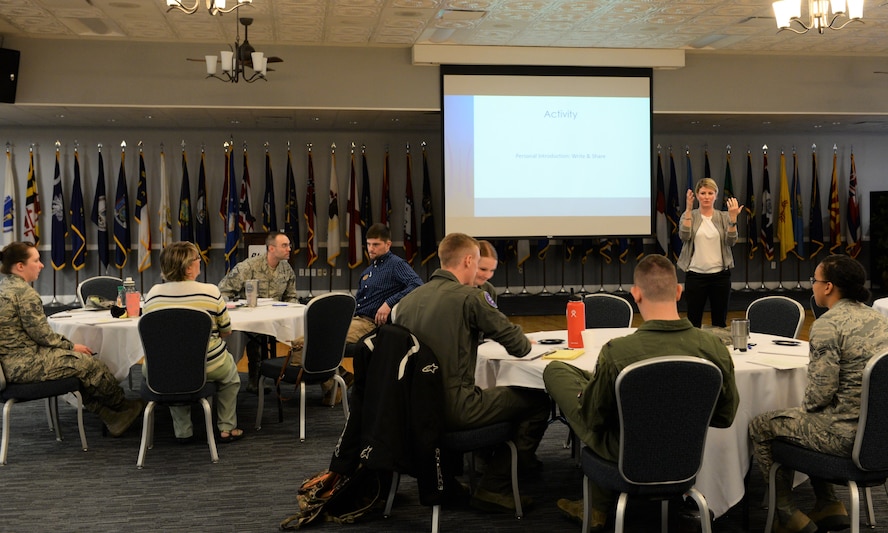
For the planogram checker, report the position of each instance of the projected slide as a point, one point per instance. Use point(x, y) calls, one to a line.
point(556, 156)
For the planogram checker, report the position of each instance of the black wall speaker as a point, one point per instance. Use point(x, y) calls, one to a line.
point(9, 66)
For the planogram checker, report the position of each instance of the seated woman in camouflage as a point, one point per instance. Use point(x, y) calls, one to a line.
point(30, 351)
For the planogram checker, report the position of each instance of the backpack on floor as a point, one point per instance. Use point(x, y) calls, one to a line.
point(336, 498)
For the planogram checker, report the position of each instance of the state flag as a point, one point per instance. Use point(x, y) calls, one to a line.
point(386, 213)
point(186, 226)
point(835, 217)
point(353, 219)
point(852, 214)
point(815, 216)
point(784, 216)
point(662, 223)
point(143, 218)
point(78, 219)
point(245, 210)
point(428, 244)
point(333, 244)
point(269, 210)
point(32, 203)
point(410, 249)
point(122, 239)
point(310, 213)
point(798, 222)
point(165, 214)
point(232, 227)
point(59, 226)
point(749, 207)
point(291, 207)
point(99, 214)
point(202, 214)
point(10, 234)
point(766, 235)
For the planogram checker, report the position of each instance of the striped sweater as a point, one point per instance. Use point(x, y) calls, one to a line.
point(195, 295)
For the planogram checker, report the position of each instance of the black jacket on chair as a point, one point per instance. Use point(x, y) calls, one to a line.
point(395, 421)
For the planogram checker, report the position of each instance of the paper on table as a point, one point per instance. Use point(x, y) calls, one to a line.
point(780, 362)
point(106, 321)
point(794, 351)
point(565, 355)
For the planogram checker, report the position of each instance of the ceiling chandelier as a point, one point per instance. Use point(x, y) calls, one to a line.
point(215, 7)
point(788, 11)
point(238, 59)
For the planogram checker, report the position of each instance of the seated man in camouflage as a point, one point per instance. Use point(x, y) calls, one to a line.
point(276, 280)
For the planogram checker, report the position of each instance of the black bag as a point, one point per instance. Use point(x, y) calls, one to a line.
point(336, 498)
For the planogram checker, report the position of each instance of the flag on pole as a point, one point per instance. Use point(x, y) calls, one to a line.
point(835, 217)
point(688, 173)
point(99, 214)
point(798, 222)
point(10, 235)
point(310, 214)
point(728, 189)
point(410, 250)
point(186, 226)
point(766, 236)
point(623, 249)
point(543, 248)
point(853, 214)
point(122, 241)
point(673, 211)
point(815, 217)
point(269, 210)
point(523, 252)
point(428, 246)
point(751, 227)
point(32, 203)
point(386, 214)
point(164, 212)
point(784, 216)
point(333, 246)
point(662, 224)
point(291, 206)
point(202, 218)
point(353, 219)
point(228, 176)
point(232, 228)
point(366, 204)
point(143, 219)
point(59, 226)
point(245, 213)
point(604, 250)
point(707, 171)
point(78, 219)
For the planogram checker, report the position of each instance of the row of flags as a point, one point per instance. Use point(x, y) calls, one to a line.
point(235, 211)
point(766, 226)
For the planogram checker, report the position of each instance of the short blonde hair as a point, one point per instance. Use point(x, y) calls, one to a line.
point(175, 258)
point(488, 250)
point(455, 246)
point(709, 183)
point(656, 279)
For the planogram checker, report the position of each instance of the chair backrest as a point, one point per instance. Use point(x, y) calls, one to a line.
point(175, 342)
point(776, 315)
point(327, 319)
point(872, 427)
point(665, 405)
point(607, 311)
point(816, 309)
point(104, 286)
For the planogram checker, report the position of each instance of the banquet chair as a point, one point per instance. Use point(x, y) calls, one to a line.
point(868, 465)
point(607, 311)
point(326, 322)
point(103, 286)
point(466, 441)
point(776, 315)
point(816, 309)
point(665, 405)
point(175, 345)
point(12, 393)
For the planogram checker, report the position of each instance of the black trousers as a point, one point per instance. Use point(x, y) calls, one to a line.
point(713, 287)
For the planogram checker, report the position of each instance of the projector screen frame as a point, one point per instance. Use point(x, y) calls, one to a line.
point(648, 219)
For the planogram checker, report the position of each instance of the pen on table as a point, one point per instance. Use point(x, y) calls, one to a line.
point(535, 357)
point(61, 316)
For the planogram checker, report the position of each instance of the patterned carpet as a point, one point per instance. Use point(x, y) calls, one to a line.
point(52, 486)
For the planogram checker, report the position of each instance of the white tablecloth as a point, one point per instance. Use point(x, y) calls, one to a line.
point(116, 340)
point(726, 458)
point(881, 305)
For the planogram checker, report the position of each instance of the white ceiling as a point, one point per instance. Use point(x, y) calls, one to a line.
point(718, 25)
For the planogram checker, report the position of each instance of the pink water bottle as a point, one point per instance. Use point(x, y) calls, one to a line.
point(576, 321)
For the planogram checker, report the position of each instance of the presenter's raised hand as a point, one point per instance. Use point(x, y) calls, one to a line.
point(689, 205)
point(733, 208)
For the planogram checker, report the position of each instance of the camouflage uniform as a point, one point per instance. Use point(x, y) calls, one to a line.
point(279, 283)
point(30, 351)
point(842, 341)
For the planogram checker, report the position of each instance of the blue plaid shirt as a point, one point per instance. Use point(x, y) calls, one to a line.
point(388, 279)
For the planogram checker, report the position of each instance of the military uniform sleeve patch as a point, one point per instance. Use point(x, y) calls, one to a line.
point(489, 299)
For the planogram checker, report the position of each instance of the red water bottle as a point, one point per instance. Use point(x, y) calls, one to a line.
point(576, 321)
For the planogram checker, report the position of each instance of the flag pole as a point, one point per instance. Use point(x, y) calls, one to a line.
point(545, 291)
point(583, 276)
point(601, 277)
point(523, 281)
point(562, 290)
point(506, 292)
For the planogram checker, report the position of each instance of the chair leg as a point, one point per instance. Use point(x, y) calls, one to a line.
point(302, 412)
point(519, 512)
point(52, 404)
point(587, 503)
point(147, 423)
point(211, 436)
point(261, 403)
point(396, 478)
point(705, 517)
point(436, 517)
point(870, 514)
point(664, 516)
point(854, 493)
point(49, 418)
point(772, 496)
point(4, 445)
point(129, 378)
point(80, 419)
point(344, 388)
point(621, 512)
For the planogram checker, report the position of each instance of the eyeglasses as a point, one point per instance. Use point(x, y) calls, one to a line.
point(814, 280)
